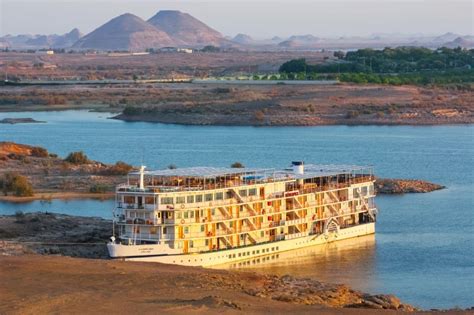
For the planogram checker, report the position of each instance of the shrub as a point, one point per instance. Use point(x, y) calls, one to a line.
point(19, 216)
point(99, 188)
point(120, 168)
point(18, 184)
point(352, 114)
point(77, 158)
point(39, 152)
point(237, 165)
point(259, 115)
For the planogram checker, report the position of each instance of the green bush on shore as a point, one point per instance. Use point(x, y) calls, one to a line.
point(77, 158)
point(16, 183)
point(98, 188)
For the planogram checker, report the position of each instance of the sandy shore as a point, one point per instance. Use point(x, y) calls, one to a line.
point(47, 284)
point(39, 276)
point(58, 195)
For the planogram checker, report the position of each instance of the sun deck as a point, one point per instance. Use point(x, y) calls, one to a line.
point(208, 178)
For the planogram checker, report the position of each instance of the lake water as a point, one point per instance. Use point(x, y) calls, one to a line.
point(424, 247)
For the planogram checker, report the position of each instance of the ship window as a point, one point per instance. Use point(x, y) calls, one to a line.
point(191, 214)
point(178, 215)
point(231, 224)
point(206, 242)
point(198, 198)
point(180, 199)
point(213, 211)
point(190, 199)
point(262, 234)
point(129, 199)
point(228, 194)
point(253, 192)
point(202, 228)
point(241, 208)
point(219, 196)
point(191, 244)
point(202, 213)
point(164, 230)
point(208, 197)
point(243, 192)
point(167, 200)
point(186, 214)
point(149, 200)
point(364, 191)
point(186, 230)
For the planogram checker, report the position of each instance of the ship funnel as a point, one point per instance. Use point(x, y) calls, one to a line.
point(298, 167)
point(142, 177)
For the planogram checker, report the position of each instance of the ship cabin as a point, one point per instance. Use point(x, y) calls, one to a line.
point(200, 209)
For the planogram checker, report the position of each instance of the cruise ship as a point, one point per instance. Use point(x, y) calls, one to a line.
point(203, 216)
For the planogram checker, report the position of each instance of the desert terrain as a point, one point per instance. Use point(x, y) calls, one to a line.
point(40, 275)
point(258, 105)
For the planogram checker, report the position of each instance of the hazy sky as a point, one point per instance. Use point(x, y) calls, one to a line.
point(258, 18)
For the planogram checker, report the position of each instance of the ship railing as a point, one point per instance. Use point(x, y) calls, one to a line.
point(296, 221)
point(295, 235)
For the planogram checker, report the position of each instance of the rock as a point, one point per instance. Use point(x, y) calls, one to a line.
point(401, 186)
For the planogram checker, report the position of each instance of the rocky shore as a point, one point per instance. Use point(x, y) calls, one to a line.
point(36, 244)
point(403, 186)
point(43, 270)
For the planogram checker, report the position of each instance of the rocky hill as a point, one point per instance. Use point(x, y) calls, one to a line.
point(125, 32)
point(186, 30)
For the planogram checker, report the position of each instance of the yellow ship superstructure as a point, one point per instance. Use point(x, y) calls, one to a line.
point(207, 216)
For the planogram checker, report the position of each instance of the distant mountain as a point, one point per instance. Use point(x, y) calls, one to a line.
point(186, 30)
point(304, 38)
point(125, 32)
point(243, 39)
point(462, 41)
point(447, 37)
point(68, 39)
point(42, 41)
point(300, 41)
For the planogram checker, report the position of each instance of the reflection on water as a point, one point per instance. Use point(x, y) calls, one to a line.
point(348, 261)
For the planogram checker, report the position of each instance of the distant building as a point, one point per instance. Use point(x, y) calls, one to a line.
point(185, 50)
point(168, 49)
point(175, 49)
point(45, 52)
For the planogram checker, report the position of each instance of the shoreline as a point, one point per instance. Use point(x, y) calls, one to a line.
point(46, 196)
point(319, 124)
point(147, 119)
point(60, 249)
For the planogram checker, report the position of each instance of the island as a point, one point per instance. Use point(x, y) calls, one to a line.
point(14, 121)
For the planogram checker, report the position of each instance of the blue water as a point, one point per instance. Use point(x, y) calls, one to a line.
point(424, 249)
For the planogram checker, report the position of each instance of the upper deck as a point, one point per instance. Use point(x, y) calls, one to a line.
point(210, 178)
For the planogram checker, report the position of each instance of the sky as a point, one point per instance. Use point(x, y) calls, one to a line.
point(258, 18)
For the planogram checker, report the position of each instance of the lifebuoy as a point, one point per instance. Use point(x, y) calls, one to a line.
point(183, 206)
point(182, 221)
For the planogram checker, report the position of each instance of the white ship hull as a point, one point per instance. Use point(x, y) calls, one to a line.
point(163, 254)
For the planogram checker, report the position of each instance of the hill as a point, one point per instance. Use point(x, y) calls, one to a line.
point(125, 32)
point(186, 29)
